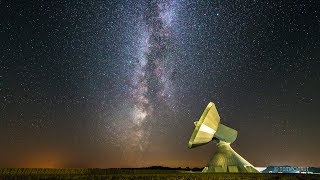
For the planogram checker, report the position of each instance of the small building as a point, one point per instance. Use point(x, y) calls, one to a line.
point(285, 169)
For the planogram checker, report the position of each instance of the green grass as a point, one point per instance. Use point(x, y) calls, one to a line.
point(82, 173)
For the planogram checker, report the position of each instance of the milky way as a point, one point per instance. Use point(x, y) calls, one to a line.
point(151, 83)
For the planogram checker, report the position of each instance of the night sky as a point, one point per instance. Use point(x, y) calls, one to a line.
point(119, 84)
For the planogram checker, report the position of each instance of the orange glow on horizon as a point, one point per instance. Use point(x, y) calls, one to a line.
point(43, 160)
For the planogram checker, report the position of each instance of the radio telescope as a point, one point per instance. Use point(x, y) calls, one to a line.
point(225, 159)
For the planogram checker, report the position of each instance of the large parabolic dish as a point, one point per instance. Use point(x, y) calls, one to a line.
point(225, 159)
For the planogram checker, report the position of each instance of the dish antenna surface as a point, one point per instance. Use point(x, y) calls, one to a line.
point(225, 159)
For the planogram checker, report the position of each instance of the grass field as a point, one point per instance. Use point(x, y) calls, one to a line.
point(37, 173)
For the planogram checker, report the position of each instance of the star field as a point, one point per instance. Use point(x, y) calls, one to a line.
point(119, 83)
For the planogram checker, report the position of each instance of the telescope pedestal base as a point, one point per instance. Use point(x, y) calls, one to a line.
point(227, 160)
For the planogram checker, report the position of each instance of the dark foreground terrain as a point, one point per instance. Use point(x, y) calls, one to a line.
point(37, 173)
